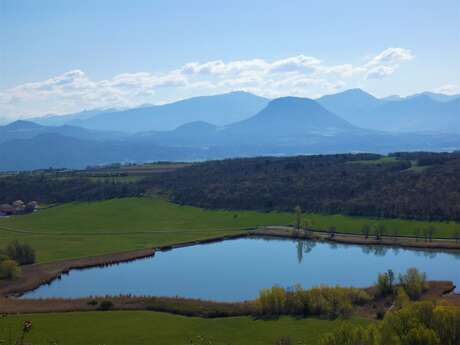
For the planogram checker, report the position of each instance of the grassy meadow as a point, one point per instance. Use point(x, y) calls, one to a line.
point(77, 230)
point(139, 327)
point(83, 229)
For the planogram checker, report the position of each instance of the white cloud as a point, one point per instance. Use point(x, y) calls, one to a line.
point(298, 63)
point(448, 89)
point(379, 72)
point(387, 62)
point(298, 75)
point(391, 56)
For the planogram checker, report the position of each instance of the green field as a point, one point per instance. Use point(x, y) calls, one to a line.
point(83, 229)
point(151, 328)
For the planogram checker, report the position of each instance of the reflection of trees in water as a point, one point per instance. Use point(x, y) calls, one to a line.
point(304, 247)
point(430, 254)
point(376, 250)
point(456, 255)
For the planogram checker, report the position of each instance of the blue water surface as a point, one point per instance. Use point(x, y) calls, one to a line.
point(235, 270)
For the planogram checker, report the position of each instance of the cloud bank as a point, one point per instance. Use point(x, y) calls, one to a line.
point(300, 75)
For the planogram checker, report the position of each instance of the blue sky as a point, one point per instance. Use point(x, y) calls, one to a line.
point(64, 56)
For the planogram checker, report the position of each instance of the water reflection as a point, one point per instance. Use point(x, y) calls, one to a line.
point(304, 247)
point(236, 270)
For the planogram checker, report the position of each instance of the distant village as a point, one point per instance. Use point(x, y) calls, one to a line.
point(18, 207)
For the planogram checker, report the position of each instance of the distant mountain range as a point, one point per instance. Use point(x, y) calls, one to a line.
point(233, 125)
point(27, 130)
point(425, 112)
point(219, 110)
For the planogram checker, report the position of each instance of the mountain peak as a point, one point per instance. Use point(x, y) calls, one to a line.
point(357, 92)
point(22, 125)
point(292, 116)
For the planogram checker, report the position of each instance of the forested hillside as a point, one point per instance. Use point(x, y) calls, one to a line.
point(406, 185)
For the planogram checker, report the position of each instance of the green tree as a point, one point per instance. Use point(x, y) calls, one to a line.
point(414, 283)
point(421, 323)
point(298, 217)
point(365, 230)
point(417, 234)
point(457, 235)
point(385, 283)
point(430, 232)
point(9, 269)
point(332, 231)
point(379, 231)
point(23, 254)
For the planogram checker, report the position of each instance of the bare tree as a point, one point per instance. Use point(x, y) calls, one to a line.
point(365, 230)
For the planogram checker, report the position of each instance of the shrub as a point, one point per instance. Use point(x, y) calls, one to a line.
point(9, 269)
point(106, 305)
point(92, 302)
point(385, 283)
point(414, 283)
point(401, 299)
point(23, 254)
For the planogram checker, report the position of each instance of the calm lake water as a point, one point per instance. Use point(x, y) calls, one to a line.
point(236, 270)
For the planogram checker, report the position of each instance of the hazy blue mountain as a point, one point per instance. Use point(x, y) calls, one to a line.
point(60, 120)
point(27, 129)
point(415, 114)
point(192, 134)
point(219, 110)
point(283, 120)
point(57, 151)
point(438, 96)
point(352, 105)
point(292, 121)
point(290, 118)
point(285, 126)
point(425, 112)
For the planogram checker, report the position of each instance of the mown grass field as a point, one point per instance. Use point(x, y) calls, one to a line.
point(84, 229)
point(139, 328)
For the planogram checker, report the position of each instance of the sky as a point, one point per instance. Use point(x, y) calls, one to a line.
point(66, 56)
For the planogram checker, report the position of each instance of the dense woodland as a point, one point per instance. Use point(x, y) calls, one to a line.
point(407, 185)
point(47, 187)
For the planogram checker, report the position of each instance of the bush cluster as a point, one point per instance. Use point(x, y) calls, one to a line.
point(413, 283)
point(421, 323)
point(324, 301)
point(23, 254)
point(14, 255)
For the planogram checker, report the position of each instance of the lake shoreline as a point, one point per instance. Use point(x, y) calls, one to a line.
point(36, 275)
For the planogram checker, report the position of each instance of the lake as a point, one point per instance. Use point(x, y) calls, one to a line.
point(235, 270)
